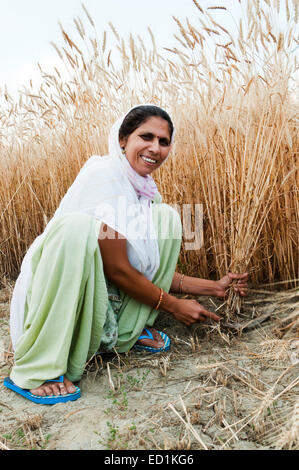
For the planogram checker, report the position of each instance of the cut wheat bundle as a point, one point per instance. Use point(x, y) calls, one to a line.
point(247, 171)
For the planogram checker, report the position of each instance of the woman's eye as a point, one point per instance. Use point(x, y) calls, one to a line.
point(146, 137)
point(149, 137)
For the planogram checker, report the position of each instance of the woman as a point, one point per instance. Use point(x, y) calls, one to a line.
point(98, 275)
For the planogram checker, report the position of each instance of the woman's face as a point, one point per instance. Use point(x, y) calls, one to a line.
point(148, 146)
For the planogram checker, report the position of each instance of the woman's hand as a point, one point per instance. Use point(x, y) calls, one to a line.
point(190, 312)
point(240, 286)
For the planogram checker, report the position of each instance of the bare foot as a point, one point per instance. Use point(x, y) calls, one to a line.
point(54, 388)
point(156, 343)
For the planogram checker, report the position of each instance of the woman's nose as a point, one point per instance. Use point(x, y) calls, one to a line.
point(155, 146)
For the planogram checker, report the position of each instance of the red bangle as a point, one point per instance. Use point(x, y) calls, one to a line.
point(160, 299)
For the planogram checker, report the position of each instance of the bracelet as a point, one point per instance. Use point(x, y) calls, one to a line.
point(181, 284)
point(160, 299)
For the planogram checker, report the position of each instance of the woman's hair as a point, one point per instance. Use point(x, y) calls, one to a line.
point(139, 115)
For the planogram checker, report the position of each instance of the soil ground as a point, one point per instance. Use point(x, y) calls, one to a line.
point(216, 389)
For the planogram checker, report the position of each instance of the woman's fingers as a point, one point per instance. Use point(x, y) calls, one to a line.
point(208, 314)
point(203, 315)
point(241, 285)
point(241, 291)
point(192, 312)
point(238, 277)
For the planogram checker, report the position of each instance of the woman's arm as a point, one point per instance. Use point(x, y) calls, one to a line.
point(197, 286)
point(118, 269)
point(193, 285)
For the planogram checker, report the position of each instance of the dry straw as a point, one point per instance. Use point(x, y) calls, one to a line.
point(236, 150)
point(286, 434)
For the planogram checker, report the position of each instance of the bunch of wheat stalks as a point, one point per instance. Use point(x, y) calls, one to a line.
point(233, 101)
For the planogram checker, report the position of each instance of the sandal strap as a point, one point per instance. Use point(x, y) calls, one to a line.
point(59, 379)
point(150, 336)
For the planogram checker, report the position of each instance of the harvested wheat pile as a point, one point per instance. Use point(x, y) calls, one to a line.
point(214, 390)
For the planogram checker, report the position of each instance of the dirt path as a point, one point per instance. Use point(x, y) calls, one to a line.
point(212, 391)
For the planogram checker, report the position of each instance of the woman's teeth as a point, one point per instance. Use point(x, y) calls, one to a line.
point(148, 160)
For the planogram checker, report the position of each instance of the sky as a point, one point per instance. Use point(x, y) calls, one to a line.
point(28, 26)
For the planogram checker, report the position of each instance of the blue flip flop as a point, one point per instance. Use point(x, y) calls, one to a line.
point(47, 400)
point(141, 347)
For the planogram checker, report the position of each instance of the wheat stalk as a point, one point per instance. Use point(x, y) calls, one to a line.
point(187, 423)
point(88, 15)
point(288, 435)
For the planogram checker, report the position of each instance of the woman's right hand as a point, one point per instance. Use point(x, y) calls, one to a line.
point(190, 312)
point(119, 270)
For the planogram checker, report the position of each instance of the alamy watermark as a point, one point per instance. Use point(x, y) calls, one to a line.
point(192, 223)
point(137, 222)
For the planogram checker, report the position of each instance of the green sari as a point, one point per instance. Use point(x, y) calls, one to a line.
point(71, 311)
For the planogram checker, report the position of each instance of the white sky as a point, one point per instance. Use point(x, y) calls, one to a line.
point(28, 26)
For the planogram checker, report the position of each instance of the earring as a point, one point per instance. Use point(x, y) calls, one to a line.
point(123, 150)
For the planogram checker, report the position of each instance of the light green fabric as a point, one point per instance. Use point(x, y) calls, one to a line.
point(67, 304)
point(110, 329)
point(133, 316)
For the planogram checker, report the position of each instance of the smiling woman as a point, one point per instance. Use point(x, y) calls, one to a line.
point(146, 147)
point(90, 283)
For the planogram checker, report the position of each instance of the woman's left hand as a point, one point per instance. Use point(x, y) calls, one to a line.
point(240, 286)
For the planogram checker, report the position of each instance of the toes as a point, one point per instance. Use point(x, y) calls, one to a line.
point(157, 336)
point(48, 390)
point(42, 391)
point(56, 389)
point(157, 342)
point(38, 392)
point(62, 389)
point(68, 386)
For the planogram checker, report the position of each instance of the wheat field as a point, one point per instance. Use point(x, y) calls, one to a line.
point(234, 102)
point(233, 98)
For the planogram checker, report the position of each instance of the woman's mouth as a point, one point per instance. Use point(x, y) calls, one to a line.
point(148, 160)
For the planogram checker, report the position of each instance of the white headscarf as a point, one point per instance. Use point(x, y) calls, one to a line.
point(107, 188)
